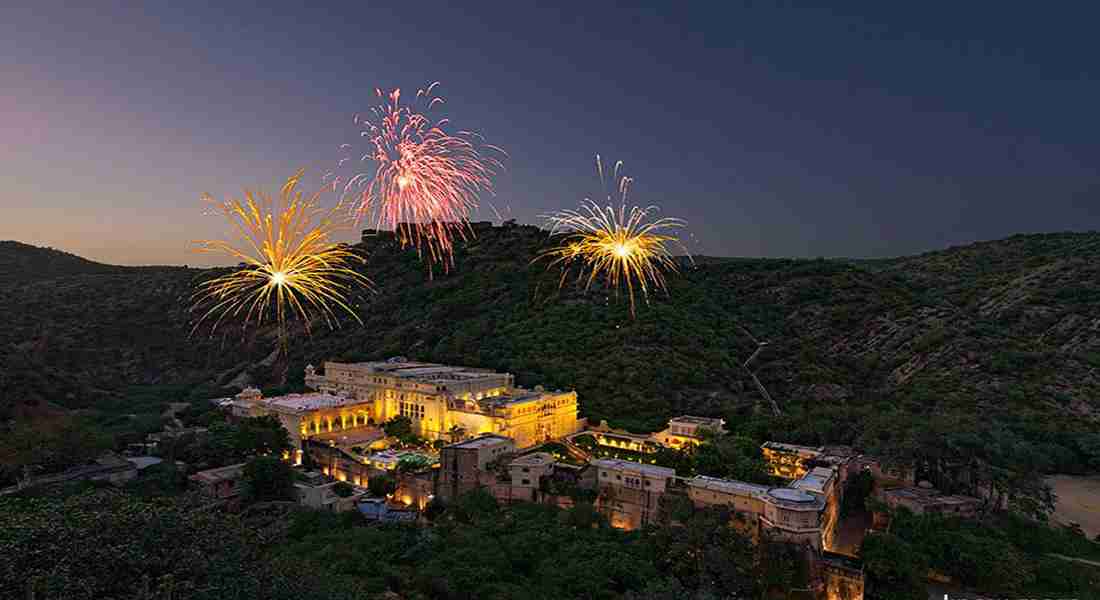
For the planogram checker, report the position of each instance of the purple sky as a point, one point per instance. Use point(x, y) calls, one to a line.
point(794, 131)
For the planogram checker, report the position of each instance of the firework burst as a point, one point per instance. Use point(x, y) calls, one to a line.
point(425, 181)
point(627, 248)
point(290, 265)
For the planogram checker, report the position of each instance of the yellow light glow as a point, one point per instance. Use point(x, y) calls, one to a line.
point(291, 265)
point(626, 248)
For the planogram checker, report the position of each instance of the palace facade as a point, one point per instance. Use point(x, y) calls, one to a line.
point(443, 402)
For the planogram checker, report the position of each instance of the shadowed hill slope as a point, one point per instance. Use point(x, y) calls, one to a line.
point(1005, 331)
point(22, 263)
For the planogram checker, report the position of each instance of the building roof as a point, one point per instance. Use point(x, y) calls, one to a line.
point(308, 402)
point(488, 404)
point(359, 436)
point(144, 462)
point(814, 481)
point(616, 464)
point(927, 497)
point(535, 459)
point(709, 421)
point(422, 372)
point(231, 472)
point(839, 451)
point(108, 462)
point(313, 477)
point(792, 498)
point(395, 456)
point(111, 460)
point(484, 441)
point(727, 486)
point(385, 457)
point(792, 448)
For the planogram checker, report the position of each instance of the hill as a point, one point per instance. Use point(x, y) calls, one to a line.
point(22, 263)
point(995, 339)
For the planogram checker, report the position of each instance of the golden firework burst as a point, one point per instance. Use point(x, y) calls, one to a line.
point(291, 267)
point(627, 248)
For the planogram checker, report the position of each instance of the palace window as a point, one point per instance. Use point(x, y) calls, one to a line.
point(412, 410)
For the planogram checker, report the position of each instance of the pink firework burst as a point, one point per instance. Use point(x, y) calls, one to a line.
point(425, 182)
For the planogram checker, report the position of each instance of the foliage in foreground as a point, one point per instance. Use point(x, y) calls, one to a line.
point(1009, 555)
point(109, 545)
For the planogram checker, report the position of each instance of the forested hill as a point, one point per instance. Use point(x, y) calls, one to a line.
point(22, 263)
point(1001, 334)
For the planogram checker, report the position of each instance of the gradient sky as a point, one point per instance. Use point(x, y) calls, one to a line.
point(875, 129)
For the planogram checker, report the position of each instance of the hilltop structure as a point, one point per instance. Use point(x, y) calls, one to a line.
point(442, 402)
point(446, 402)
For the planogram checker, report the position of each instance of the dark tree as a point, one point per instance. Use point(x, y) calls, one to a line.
point(381, 485)
point(268, 478)
point(343, 489)
point(895, 569)
point(261, 436)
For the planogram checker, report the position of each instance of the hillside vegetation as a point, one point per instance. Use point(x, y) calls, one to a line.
point(23, 263)
point(998, 342)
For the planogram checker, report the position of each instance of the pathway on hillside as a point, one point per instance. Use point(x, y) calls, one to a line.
point(1075, 559)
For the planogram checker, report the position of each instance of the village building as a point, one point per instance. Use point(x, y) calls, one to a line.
point(321, 495)
point(793, 516)
point(823, 482)
point(619, 439)
point(463, 467)
point(788, 461)
point(681, 432)
point(108, 467)
point(416, 489)
point(745, 499)
point(339, 464)
point(687, 430)
point(925, 500)
point(629, 492)
point(222, 483)
point(526, 474)
point(788, 514)
point(841, 577)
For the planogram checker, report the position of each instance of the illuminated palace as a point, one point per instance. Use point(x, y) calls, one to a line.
point(443, 402)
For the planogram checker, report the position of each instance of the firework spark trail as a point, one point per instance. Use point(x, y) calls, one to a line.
point(426, 182)
point(292, 266)
point(627, 248)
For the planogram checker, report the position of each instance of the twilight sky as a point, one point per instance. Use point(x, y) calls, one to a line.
point(876, 129)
